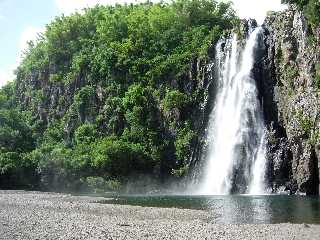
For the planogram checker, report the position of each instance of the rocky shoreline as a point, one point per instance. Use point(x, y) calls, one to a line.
point(35, 215)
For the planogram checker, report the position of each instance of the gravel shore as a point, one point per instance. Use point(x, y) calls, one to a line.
point(35, 215)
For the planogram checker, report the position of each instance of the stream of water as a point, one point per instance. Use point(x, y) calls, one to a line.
point(235, 160)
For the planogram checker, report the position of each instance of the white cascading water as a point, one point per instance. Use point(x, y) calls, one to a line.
point(236, 139)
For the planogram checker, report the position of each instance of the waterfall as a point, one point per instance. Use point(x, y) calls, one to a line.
point(235, 157)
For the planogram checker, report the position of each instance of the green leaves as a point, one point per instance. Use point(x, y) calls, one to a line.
point(9, 161)
point(120, 158)
point(299, 3)
point(96, 89)
point(183, 143)
point(311, 9)
point(85, 134)
point(317, 76)
point(15, 134)
point(15, 140)
point(175, 99)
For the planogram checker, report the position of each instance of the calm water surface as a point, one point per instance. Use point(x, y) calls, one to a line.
point(236, 209)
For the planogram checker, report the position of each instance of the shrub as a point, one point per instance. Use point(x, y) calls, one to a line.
point(175, 99)
point(17, 171)
point(183, 143)
point(85, 134)
point(312, 12)
point(119, 158)
point(291, 73)
point(311, 9)
point(54, 167)
point(180, 172)
point(306, 123)
point(100, 185)
point(317, 77)
point(315, 137)
point(299, 3)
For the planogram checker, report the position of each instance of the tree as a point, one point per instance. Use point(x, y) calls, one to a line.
point(91, 93)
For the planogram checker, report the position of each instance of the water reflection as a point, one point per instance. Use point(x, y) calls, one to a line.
point(264, 209)
point(295, 209)
point(237, 209)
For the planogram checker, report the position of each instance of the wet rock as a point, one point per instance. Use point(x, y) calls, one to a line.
point(291, 102)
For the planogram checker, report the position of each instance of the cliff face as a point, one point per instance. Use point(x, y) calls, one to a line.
point(291, 102)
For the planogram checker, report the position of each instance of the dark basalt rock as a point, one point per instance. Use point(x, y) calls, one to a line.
point(291, 102)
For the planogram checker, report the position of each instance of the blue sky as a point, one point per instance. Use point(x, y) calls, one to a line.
point(20, 20)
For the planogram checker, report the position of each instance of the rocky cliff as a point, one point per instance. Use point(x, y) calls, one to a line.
point(291, 100)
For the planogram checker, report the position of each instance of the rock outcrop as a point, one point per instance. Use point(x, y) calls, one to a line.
point(291, 102)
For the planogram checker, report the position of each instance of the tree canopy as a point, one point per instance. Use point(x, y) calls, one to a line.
point(102, 95)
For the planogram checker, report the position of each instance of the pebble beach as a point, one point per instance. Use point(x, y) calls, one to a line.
point(38, 215)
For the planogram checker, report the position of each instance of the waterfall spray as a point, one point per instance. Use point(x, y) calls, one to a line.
point(235, 160)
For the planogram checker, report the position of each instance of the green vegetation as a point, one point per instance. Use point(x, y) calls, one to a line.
point(317, 77)
point(89, 107)
point(308, 125)
point(291, 73)
point(315, 137)
point(15, 140)
point(100, 185)
point(311, 40)
point(299, 3)
point(311, 9)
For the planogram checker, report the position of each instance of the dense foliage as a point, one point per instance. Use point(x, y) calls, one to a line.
point(15, 140)
point(102, 96)
point(311, 9)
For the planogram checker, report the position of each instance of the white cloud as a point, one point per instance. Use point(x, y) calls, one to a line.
point(257, 8)
point(6, 75)
point(4, 78)
point(28, 34)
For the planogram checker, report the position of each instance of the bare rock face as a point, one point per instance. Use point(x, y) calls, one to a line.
point(291, 102)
